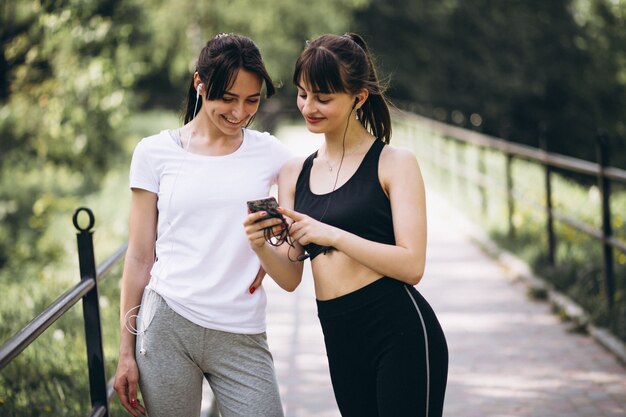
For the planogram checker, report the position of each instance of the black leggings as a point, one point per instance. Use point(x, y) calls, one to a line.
point(386, 351)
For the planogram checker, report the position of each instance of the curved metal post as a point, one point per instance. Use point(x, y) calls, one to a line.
point(91, 313)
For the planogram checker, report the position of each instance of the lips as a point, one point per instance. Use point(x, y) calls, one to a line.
point(313, 120)
point(232, 122)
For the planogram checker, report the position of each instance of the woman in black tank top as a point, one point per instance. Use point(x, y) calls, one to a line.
point(357, 208)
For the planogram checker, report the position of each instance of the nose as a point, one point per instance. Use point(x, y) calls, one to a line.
point(307, 105)
point(239, 109)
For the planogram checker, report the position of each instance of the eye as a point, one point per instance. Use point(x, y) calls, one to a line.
point(227, 99)
point(253, 100)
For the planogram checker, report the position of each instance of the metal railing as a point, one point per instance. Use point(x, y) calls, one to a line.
point(87, 290)
point(605, 174)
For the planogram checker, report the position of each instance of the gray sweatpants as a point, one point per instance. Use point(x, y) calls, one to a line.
point(179, 354)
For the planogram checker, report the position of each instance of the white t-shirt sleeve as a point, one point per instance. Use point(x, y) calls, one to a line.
point(142, 174)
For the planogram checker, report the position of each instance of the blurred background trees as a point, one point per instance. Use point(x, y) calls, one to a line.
point(73, 73)
point(67, 70)
point(521, 67)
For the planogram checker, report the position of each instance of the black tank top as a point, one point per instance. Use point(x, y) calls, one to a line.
point(359, 206)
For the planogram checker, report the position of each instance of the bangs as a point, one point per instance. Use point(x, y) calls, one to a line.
point(319, 70)
point(223, 78)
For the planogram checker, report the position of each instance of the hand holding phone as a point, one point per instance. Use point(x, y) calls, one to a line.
point(269, 205)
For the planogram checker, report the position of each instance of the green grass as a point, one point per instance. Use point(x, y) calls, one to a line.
point(577, 271)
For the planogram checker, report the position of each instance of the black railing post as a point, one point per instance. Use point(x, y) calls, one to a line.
point(604, 184)
point(91, 313)
point(548, 185)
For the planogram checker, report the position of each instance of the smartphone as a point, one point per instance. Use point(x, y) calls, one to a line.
point(269, 205)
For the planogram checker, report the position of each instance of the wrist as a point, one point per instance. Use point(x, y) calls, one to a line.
point(127, 353)
point(335, 238)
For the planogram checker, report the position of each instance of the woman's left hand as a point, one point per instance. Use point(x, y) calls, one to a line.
point(258, 280)
point(255, 228)
point(305, 229)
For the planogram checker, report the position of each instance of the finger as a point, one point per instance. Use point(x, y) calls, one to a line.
point(254, 217)
point(296, 233)
point(122, 394)
point(140, 407)
point(257, 281)
point(259, 236)
point(294, 229)
point(259, 215)
point(132, 395)
point(269, 223)
point(277, 229)
point(293, 215)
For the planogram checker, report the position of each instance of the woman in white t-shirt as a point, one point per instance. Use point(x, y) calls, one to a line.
point(192, 305)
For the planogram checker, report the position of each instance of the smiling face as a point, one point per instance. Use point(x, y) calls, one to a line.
point(238, 104)
point(324, 112)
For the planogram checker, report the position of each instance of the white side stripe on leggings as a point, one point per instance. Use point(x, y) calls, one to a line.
point(426, 350)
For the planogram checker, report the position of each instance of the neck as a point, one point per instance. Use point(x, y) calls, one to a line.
point(205, 139)
point(204, 133)
point(355, 136)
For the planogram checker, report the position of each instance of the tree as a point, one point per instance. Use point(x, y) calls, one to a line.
point(66, 67)
point(279, 27)
point(527, 68)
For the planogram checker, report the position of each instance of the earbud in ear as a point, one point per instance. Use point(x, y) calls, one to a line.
point(199, 89)
point(356, 101)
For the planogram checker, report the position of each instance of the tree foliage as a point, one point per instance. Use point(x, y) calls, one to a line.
point(278, 27)
point(66, 70)
point(527, 69)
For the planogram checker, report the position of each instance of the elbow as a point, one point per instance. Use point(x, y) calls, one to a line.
point(414, 275)
point(290, 287)
point(415, 279)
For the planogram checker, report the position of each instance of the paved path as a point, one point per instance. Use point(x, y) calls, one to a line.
point(509, 356)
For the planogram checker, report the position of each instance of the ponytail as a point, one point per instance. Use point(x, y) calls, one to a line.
point(374, 114)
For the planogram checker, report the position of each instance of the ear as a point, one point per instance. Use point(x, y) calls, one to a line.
point(196, 80)
point(361, 96)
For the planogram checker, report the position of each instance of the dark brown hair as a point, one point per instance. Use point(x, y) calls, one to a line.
point(342, 64)
point(217, 68)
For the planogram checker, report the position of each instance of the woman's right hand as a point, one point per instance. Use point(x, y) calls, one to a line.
point(126, 380)
point(255, 230)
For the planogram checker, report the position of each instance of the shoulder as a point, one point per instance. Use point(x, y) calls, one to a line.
point(398, 163)
point(392, 156)
point(292, 167)
point(261, 137)
point(156, 141)
point(288, 179)
point(257, 135)
point(267, 142)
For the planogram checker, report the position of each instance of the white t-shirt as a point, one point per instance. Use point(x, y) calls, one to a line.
point(204, 264)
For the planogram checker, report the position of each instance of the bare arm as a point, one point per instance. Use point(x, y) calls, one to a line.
point(137, 264)
point(276, 260)
point(401, 177)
